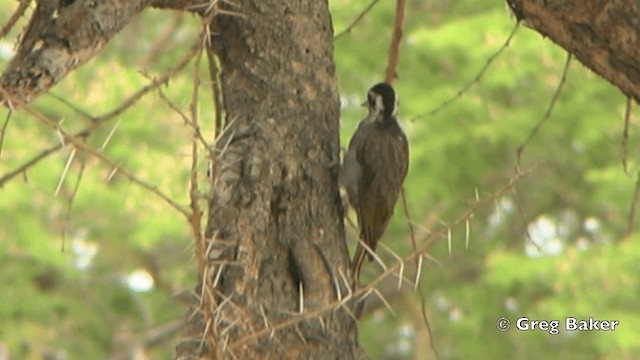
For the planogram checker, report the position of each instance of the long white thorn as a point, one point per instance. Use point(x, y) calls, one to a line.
point(418, 273)
point(449, 239)
point(384, 301)
point(65, 171)
point(301, 295)
point(466, 234)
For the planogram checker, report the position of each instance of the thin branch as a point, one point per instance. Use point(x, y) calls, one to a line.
point(65, 171)
point(394, 48)
point(590, 36)
point(77, 142)
point(194, 196)
point(525, 220)
point(67, 218)
point(185, 118)
point(76, 35)
point(70, 105)
point(634, 203)
point(625, 135)
point(197, 6)
point(4, 130)
point(405, 207)
point(97, 122)
point(150, 87)
point(389, 271)
point(418, 260)
point(355, 22)
point(474, 81)
point(160, 44)
point(214, 70)
point(547, 114)
point(33, 161)
point(14, 18)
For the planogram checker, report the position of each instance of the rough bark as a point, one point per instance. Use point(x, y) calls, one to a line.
point(275, 233)
point(603, 34)
point(63, 35)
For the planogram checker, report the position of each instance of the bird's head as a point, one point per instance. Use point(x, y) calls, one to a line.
point(381, 99)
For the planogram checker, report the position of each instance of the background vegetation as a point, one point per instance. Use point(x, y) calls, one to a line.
point(92, 264)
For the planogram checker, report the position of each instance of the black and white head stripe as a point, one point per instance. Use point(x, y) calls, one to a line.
point(382, 98)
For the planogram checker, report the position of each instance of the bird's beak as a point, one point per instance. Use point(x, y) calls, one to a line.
point(364, 104)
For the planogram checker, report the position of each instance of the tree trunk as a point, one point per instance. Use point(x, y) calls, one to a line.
point(603, 34)
point(275, 238)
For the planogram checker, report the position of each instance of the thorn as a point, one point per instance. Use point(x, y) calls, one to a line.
point(466, 234)
point(112, 174)
point(373, 254)
point(416, 281)
point(264, 317)
point(364, 296)
point(352, 315)
point(204, 280)
point(60, 134)
point(226, 330)
point(301, 297)
point(225, 341)
point(218, 275)
point(449, 239)
point(338, 290)
point(384, 301)
point(304, 341)
point(212, 240)
point(347, 285)
point(65, 171)
point(110, 135)
point(204, 334)
point(400, 263)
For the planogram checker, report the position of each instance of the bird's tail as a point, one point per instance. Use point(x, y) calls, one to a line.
point(358, 259)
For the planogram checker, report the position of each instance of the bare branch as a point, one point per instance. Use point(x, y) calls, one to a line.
point(394, 48)
point(188, 5)
point(605, 44)
point(67, 218)
point(4, 130)
point(625, 135)
point(634, 203)
point(547, 114)
point(79, 143)
point(36, 159)
point(355, 22)
point(363, 291)
point(98, 121)
point(58, 40)
point(475, 80)
point(194, 196)
point(14, 18)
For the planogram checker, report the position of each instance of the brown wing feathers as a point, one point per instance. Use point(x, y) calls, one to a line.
point(383, 159)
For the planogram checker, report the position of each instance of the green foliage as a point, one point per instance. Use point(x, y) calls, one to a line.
point(65, 254)
point(576, 181)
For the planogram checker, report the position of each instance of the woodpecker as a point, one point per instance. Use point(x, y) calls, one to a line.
point(374, 169)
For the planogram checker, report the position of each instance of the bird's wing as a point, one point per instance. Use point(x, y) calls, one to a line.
point(351, 170)
point(384, 167)
point(398, 167)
